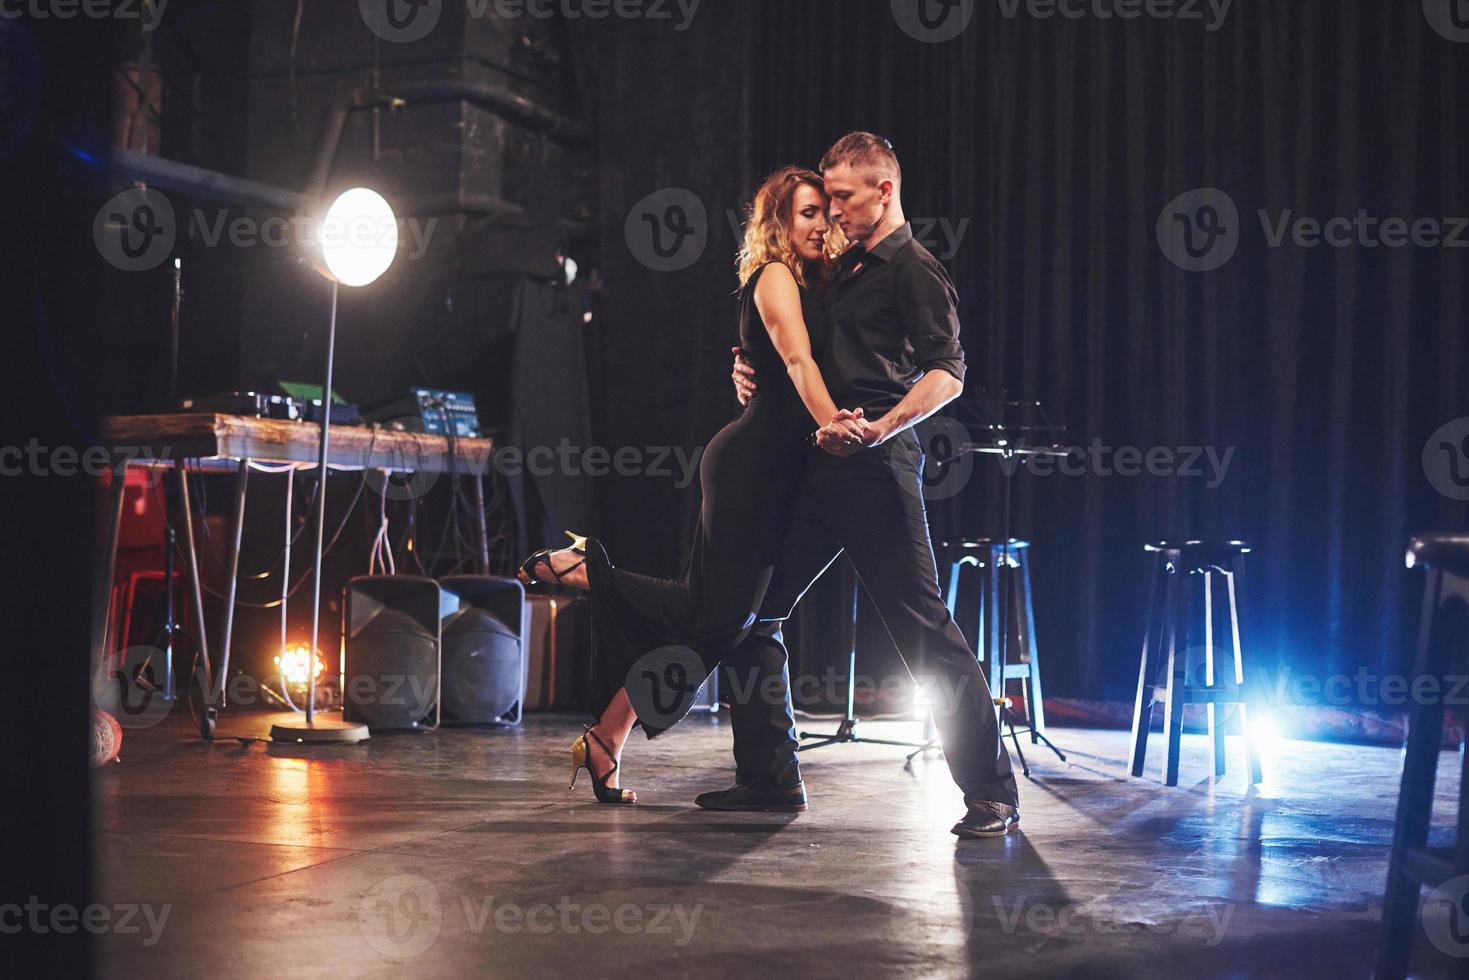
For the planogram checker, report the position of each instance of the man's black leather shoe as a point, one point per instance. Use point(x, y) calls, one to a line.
point(986, 819)
point(757, 799)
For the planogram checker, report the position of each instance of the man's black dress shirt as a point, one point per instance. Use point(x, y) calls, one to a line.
point(893, 318)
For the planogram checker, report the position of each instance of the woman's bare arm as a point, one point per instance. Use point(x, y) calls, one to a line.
point(778, 299)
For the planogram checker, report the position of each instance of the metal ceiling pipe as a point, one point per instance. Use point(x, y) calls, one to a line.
point(518, 108)
point(184, 178)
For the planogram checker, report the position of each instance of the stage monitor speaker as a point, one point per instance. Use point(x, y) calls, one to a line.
point(392, 662)
point(485, 633)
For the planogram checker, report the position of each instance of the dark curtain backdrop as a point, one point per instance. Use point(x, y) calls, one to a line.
point(1324, 370)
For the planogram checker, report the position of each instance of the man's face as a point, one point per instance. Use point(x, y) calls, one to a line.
point(859, 199)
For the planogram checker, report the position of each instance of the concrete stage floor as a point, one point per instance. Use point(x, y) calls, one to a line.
point(461, 853)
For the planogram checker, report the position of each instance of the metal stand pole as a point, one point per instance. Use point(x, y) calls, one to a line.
point(847, 727)
point(286, 571)
point(191, 554)
point(321, 458)
point(237, 530)
point(103, 569)
point(170, 613)
point(484, 530)
point(314, 729)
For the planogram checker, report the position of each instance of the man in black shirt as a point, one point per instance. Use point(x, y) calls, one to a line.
point(894, 359)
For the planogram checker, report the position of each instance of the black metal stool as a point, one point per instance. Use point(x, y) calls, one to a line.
point(1023, 663)
point(1413, 864)
point(1165, 646)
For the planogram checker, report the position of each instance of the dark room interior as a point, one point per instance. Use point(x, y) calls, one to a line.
point(794, 376)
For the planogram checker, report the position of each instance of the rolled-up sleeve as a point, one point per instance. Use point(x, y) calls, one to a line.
point(929, 305)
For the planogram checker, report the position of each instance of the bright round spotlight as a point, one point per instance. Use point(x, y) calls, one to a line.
point(359, 237)
point(1264, 728)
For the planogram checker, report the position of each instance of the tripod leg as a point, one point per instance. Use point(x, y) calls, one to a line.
point(1019, 753)
point(1213, 710)
point(891, 741)
point(104, 563)
point(196, 594)
point(1051, 745)
point(1173, 709)
point(1245, 711)
point(908, 762)
point(816, 745)
point(1142, 710)
point(1035, 700)
point(846, 732)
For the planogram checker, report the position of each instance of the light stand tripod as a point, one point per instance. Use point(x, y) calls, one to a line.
point(1007, 441)
point(847, 727)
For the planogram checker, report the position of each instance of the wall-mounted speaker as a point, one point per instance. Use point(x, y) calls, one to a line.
point(485, 633)
point(391, 663)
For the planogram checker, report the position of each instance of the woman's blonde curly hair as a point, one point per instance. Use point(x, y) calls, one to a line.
point(768, 230)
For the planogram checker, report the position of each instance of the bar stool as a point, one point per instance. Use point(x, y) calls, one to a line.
point(1023, 658)
point(1413, 864)
point(1165, 646)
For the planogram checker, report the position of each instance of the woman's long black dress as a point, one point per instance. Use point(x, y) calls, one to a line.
point(661, 637)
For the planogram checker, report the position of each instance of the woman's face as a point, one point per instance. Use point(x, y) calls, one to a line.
point(809, 226)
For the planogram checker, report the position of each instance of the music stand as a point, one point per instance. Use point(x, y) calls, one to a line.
point(1007, 440)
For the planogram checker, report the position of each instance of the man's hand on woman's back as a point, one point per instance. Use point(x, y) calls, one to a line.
point(743, 376)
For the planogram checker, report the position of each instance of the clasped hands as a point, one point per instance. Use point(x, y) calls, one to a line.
point(848, 432)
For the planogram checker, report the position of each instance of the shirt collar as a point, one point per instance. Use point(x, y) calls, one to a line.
point(888, 247)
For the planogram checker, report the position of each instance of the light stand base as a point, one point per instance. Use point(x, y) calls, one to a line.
point(1006, 721)
point(319, 731)
point(846, 732)
point(1036, 737)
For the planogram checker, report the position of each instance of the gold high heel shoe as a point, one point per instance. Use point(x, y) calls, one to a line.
point(581, 759)
point(527, 573)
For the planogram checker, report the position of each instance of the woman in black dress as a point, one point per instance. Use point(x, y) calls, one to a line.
point(748, 474)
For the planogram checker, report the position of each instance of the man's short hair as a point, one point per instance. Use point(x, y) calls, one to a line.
point(864, 150)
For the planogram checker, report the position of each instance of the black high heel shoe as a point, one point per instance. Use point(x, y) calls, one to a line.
point(527, 573)
point(581, 758)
